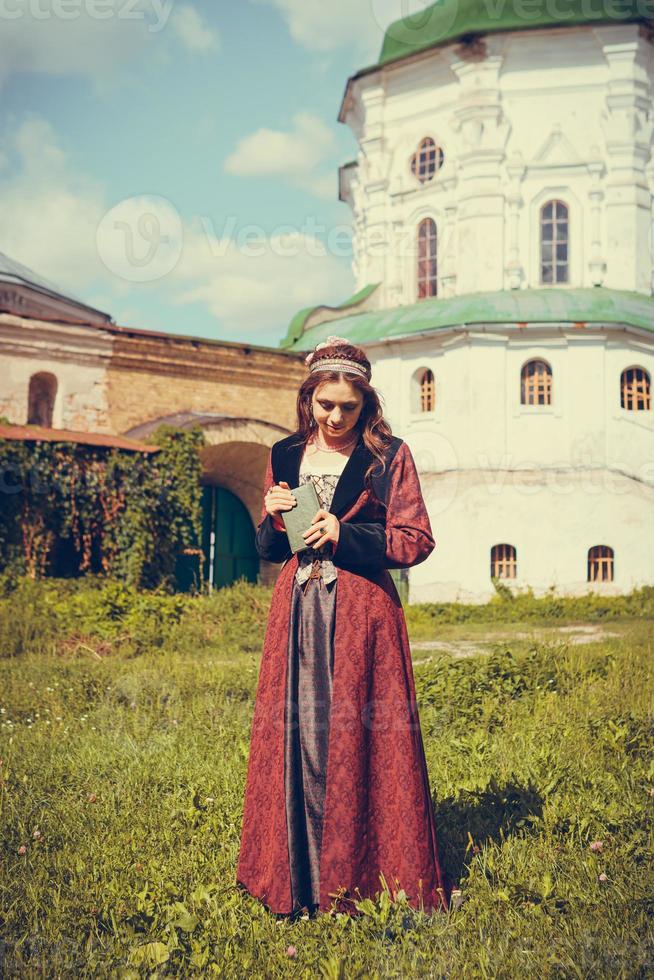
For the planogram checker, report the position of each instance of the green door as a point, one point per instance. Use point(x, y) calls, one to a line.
point(228, 551)
point(230, 554)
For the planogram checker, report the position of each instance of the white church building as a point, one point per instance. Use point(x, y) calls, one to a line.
point(502, 197)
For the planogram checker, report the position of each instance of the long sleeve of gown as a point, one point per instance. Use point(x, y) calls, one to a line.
point(270, 541)
point(407, 537)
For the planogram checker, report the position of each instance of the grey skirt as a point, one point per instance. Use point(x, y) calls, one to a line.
point(306, 731)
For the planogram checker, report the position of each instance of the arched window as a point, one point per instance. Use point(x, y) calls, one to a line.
point(554, 243)
point(503, 561)
point(600, 563)
point(41, 399)
point(427, 160)
point(427, 391)
point(422, 391)
point(427, 259)
point(635, 389)
point(536, 383)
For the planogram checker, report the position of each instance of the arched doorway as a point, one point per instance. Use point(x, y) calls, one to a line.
point(228, 551)
point(227, 539)
point(233, 460)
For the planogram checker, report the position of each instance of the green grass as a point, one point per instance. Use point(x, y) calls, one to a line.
point(124, 736)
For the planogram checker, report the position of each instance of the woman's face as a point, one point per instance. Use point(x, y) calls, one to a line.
point(336, 407)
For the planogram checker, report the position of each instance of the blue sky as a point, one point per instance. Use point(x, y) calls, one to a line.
point(176, 164)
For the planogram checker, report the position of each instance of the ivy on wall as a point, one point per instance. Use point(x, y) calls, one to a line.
point(90, 508)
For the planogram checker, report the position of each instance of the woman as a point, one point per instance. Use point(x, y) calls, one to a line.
point(337, 801)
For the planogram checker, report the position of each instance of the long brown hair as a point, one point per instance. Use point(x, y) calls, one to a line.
point(375, 430)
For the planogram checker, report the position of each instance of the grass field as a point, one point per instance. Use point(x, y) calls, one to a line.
point(124, 735)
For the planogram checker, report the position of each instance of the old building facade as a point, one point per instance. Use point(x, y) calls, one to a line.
point(67, 367)
point(502, 198)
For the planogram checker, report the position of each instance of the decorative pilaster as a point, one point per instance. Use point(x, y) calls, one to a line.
point(483, 131)
point(596, 264)
point(627, 124)
point(649, 174)
point(374, 180)
point(513, 269)
point(447, 242)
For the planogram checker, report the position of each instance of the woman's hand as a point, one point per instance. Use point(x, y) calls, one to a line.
point(279, 498)
point(324, 527)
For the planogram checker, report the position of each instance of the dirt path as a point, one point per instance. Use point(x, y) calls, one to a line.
point(575, 635)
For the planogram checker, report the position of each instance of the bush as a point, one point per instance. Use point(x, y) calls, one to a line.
point(71, 509)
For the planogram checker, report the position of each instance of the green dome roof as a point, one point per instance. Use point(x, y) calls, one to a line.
point(449, 19)
point(560, 306)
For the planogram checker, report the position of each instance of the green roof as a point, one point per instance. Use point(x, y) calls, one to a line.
point(296, 327)
point(450, 19)
point(516, 306)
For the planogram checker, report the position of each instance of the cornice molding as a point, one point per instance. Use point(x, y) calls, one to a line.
point(24, 337)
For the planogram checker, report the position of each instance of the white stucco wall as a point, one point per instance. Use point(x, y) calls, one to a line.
point(551, 518)
point(562, 113)
point(77, 357)
point(552, 481)
point(551, 113)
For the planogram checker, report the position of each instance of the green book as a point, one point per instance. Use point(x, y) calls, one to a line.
point(300, 517)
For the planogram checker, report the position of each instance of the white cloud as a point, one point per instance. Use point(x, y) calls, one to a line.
point(254, 286)
point(94, 38)
point(193, 33)
point(48, 214)
point(36, 144)
point(324, 186)
point(293, 155)
point(321, 26)
point(61, 224)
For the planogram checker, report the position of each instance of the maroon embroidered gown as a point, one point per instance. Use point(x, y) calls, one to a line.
point(337, 794)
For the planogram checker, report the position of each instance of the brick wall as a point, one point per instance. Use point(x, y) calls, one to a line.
point(150, 377)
